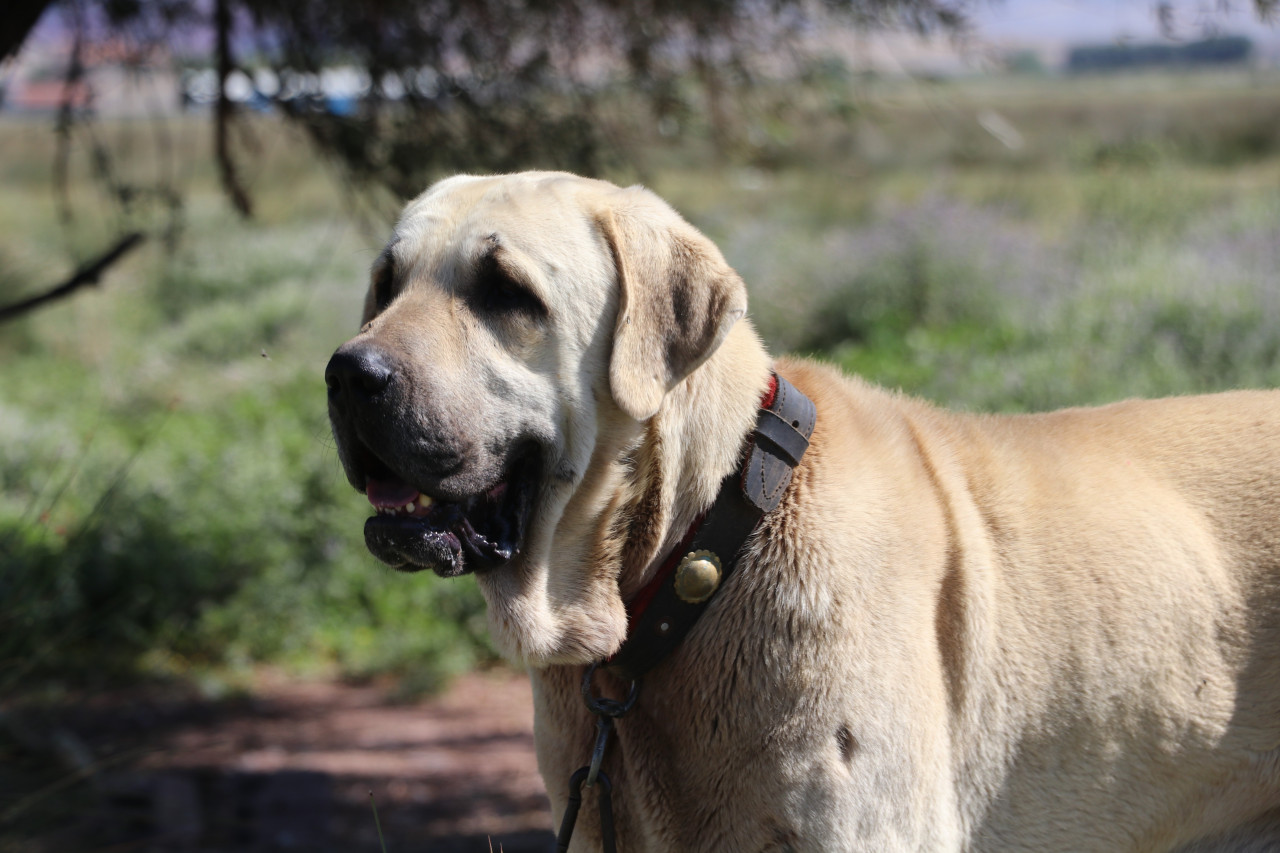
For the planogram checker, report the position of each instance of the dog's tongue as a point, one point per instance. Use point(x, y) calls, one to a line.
point(389, 493)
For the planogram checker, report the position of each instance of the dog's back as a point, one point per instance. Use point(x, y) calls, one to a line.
point(1107, 608)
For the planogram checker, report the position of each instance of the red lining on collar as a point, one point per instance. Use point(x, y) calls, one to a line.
point(637, 605)
point(771, 393)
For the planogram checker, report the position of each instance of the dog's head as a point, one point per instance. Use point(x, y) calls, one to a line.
point(517, 333)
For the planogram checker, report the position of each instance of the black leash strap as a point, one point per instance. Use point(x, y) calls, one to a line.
point(606, 711)
point(608, 842)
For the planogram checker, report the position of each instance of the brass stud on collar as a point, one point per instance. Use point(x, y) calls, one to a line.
point(697, 577)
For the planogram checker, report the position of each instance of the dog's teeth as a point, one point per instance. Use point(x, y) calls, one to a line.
point(413, 507)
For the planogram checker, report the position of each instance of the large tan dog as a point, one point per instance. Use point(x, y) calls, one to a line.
point(1054, 632)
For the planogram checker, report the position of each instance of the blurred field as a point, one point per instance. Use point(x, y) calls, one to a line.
point(170, 502)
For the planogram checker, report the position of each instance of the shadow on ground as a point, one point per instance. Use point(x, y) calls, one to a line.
point(291, 768)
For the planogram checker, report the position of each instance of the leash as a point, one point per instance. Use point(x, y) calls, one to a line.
point(606, 711)
point(664, 612)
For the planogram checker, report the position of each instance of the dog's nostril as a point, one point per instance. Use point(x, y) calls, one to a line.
point(374, 382)
point(364, 372)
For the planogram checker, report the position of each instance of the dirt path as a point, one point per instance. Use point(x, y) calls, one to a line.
point(292, 768)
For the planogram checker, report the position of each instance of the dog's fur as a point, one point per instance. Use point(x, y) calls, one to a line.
point(1054, 632)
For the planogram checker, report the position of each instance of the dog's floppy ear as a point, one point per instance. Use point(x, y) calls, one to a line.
point(677, 300)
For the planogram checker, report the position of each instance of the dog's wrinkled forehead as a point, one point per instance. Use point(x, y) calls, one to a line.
point(545, 218)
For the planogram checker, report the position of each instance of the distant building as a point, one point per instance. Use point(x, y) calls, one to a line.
point(1215, 52)
point(117, 81)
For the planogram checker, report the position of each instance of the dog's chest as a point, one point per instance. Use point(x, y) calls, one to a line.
point(729, 747)
point(697, 778)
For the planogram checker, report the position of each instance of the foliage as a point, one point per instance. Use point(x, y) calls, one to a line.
point(170, 502)
point(462, 85)
point(1058, 273)
point(206, 534)
point(498, 85)
point(504, 84)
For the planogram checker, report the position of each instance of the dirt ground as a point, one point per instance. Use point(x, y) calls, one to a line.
point(290, 768)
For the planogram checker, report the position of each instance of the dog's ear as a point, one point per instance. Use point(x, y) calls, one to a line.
point(677, 300)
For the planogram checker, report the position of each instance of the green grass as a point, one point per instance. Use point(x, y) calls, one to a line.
point(170, 500)
point(1127, 249)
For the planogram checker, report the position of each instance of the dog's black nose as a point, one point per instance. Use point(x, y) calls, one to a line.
point(358, 373)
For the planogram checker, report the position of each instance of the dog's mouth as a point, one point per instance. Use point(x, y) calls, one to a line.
point(412, 530)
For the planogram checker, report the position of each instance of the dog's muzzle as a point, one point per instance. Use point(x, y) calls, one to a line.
point(386, 454)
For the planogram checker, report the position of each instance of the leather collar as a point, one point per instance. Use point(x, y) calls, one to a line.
point(668, 607)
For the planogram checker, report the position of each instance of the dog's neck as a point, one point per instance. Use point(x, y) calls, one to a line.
point(686, 452)
point(638, 500)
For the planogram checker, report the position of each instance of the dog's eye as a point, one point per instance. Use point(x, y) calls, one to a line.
point(382, 282)
point(500, 294)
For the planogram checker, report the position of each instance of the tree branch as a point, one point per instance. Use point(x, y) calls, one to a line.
point(224, 112)
point(17, 22)
point(87, 274)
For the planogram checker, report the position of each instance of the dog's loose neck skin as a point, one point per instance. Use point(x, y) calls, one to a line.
point(643, 494)
point(684, 458)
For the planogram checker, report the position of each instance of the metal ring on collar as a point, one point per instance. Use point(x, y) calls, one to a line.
point(604, 706)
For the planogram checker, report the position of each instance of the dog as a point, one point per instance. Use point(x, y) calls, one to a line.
point(955, 632)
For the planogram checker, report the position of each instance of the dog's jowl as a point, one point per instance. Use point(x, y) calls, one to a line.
point(854, 622)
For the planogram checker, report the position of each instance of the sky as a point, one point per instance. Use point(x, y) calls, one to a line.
point(1107, 20)
point(1074, 20)
point(1053, 24)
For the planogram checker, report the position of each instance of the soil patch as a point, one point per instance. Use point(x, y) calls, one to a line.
point(290, 768)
